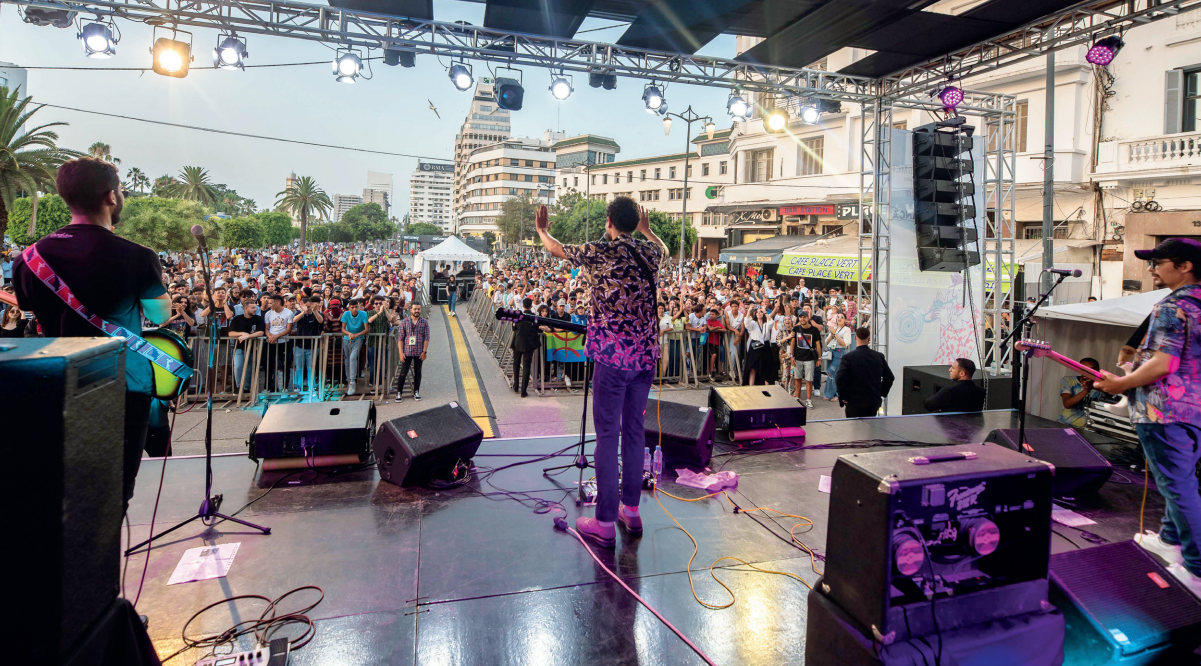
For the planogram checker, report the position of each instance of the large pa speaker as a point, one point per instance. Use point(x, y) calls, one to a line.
point(315, 431)
point(919, 382)
point(65, 447)
point(1079, 468)
point(415, 449)
point(685, 431)
point(738, 408)
point(939, 538)
point(1124, 607)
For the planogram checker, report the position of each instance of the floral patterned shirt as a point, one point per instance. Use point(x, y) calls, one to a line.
point(1175, 329)
point(623, 330)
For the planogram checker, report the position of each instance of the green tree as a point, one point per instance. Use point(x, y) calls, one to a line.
point(277, 227)
point(339, 232)
point(194, 184)
point(101, 150)
point(489, 240)
point(304, 199)
point(166, 224)
point(319, 233)
point(368, 222)
point(669, 230)
point(137, 179)
point(241, 232)
point(423, 229)
point(516, 219)
point(164, 186)
point(53, 215)
point(29, 159)
point(576, 219)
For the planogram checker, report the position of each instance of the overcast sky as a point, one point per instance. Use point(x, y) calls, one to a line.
point(389, 113)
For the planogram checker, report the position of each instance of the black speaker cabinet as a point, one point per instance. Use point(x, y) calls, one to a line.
point(966, 524)
point(413, 449)
point(738, 408)
point(311, 429)
point(685, 431)
point(64, 447)
point(919, 382)
point(1079, 468)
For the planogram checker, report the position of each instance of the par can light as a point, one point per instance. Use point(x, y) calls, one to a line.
point(561, 88)
point(460, 76)
point(737, 107)
point(347, 67)
point(1103, 51)
point(950, 97)
point(171, 58)
point(809, 114)
point(98, 40)
point(776, 120)
point(230, 53)
point(508, 93)
point(652, 96)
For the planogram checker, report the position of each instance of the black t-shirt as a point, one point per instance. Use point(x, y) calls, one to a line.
point(244, 324)
point(108, 274)
point(805, 342)
point(306, 325)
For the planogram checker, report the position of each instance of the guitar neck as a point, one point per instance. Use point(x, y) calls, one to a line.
point(1073, 365)
point(515, 316)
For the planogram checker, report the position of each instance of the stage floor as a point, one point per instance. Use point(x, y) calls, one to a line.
point(416, 576)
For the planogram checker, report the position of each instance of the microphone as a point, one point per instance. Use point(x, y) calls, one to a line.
point(198, 232)
point(1075, 272)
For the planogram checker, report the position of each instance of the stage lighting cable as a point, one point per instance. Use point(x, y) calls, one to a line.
point(1142, 509)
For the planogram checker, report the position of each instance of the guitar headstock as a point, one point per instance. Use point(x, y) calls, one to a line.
point(505, 314)
point(1033, 347)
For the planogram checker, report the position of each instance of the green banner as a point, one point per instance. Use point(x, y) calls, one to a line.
point(842, 267)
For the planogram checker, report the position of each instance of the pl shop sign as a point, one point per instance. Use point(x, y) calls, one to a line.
point(446, 168)
point(820, 266)
point(807, 210)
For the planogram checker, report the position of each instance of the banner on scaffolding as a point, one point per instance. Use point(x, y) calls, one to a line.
point(565, 347)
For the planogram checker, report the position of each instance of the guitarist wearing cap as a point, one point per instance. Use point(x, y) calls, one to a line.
point(1166, 406)
point(114, 278)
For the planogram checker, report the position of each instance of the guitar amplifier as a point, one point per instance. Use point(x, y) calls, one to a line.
point(314, 429)
point(1107, 423)
point(937, 538)
point(738, 408)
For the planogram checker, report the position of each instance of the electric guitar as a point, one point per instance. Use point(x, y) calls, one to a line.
point(505, 314)
point(1040, 349)
point(166, 385)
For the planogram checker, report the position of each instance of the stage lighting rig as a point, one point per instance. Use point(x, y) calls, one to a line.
point(950, 97)
point(737, 107)
point(460, 75)
point(775, 120)
point(52, 17)
point(1104, 50)
point(402, 57)
point(652, 96)
point(230, 53)
point(99, 39)
point(507, 91)
point(809, 114)
point(347, 66)
point(560, 87)
point(602, 78)
point(171, 57)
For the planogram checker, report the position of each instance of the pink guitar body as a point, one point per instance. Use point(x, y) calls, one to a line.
point(1038, 349)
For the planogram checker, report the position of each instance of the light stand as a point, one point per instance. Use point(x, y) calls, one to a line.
point(1023, 326)
point(581, 459)
point(210, 506)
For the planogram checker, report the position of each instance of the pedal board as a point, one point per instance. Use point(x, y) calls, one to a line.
point(275, 654)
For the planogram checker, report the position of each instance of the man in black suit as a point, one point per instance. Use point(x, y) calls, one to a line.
point(962, 395)
point(525, 343)
point(863, 378)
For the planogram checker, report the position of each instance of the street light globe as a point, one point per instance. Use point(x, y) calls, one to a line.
point(667, 125)
point(710, 128)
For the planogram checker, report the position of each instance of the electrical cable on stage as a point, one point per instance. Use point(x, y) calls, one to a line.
point(267, 623)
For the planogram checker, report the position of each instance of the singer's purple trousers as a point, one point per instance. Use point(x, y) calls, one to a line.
point(618, 402)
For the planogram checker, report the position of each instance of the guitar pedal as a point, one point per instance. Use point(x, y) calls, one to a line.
point(275, 654)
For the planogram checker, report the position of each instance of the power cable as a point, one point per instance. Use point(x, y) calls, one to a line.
point(60, 68)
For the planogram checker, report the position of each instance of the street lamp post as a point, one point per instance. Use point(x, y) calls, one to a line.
point(688, 116)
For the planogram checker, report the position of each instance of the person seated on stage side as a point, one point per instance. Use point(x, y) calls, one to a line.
point(1076, 394)
point(961, 396)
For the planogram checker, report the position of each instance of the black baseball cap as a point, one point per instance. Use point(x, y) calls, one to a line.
point(1185, 249)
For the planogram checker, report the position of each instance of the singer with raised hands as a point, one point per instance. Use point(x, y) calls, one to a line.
point(623, 342)
point(114, 278)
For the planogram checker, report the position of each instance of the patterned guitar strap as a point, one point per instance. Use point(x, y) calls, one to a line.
point(133, 341)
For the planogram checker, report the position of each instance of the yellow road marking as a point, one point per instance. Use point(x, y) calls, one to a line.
point(471, 385)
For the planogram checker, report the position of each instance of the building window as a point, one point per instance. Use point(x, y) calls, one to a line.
point(671, 173)
point(758, 165)
point(629, 176)
point(529, 178)
point(594, 179)
point(1022, 111)
point(678, 193)
point(575, 181)
point(648, 195)
point(564, 182)
point(605, 179)
point(642, 175)
point(705, 169)
point(721, 168)
point(529, 163)
point(657, 171)
point(1192, 100)
point(811, 156)
point(688, 171)
point(513, 162)
point(1035, 230)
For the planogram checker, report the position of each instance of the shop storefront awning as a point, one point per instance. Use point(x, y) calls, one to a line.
point(767, 250)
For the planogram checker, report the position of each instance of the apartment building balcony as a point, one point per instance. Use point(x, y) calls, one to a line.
point(1154, 158)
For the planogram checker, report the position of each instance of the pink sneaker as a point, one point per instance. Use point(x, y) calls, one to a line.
point(592, 530)
point(632, 522)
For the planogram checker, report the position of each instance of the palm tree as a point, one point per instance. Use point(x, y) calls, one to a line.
point(246, 207)
point(29, 159)
point(194, 184)
point(164, 186)
point(137, 179)
point(304, 198)
point(101, 150)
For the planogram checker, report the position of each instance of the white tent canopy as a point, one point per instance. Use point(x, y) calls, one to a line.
point(1124, 311)
point(450, 250)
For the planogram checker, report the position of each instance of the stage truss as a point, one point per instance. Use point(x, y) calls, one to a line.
point(912, 88)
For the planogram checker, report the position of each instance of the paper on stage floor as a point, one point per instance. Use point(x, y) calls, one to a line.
point(1068, 517)
point(204, 563)
point(823, 484)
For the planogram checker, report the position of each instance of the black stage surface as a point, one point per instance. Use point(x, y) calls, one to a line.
point(417, 576)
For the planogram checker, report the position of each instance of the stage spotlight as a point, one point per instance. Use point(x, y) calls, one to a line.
point(775, 120)
point(809, 114)
point(171, 57)
point(950, 97)
point(667, 125)
point(602, 79)
point(1103, 51)
point(347, 66)
point(460, 75)
point(710, 128)
point(652, 97)
point(402, 57)
point(561, 88)
point(230, 53)
point(508, 93)
point(737, 107)
point(98, 40)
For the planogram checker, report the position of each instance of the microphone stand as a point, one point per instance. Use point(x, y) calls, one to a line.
point(211, 505)
point(1023, 326)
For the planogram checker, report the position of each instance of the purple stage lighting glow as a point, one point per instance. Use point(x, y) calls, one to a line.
point(1103, 51)
point(950, 97)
